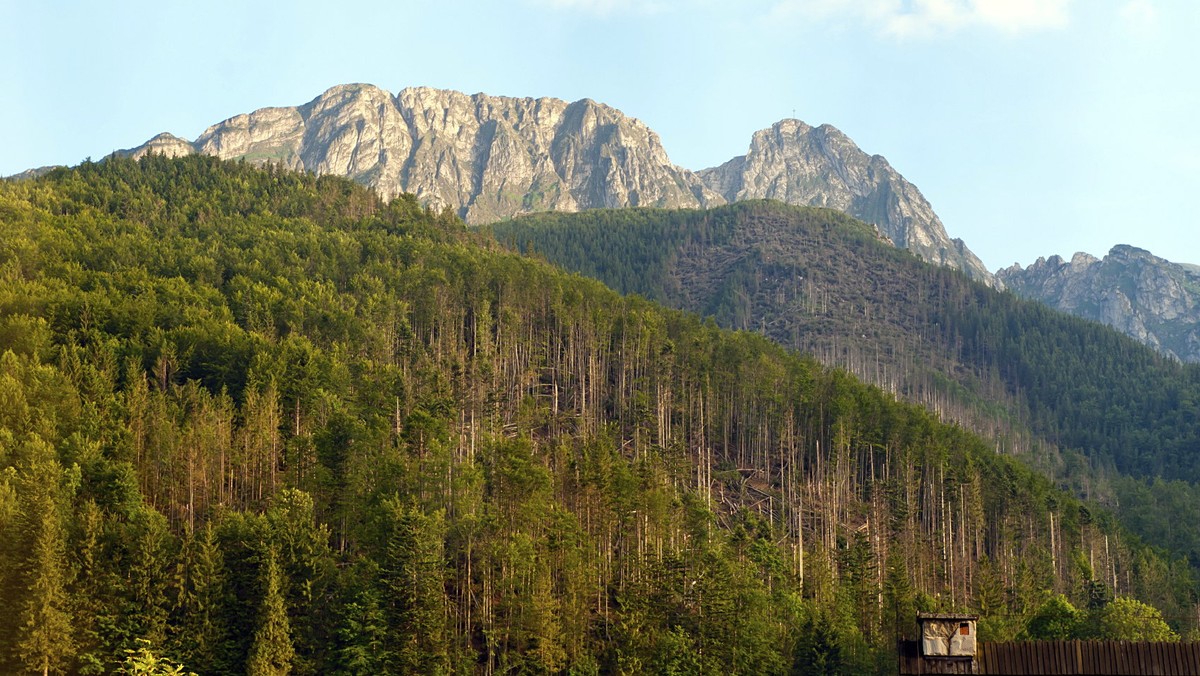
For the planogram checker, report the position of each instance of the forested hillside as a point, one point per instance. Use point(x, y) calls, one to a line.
point(1103, 414)
point(255, 421)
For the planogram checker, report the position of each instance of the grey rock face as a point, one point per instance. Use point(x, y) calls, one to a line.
point(30, 174)
point(486, 157)
point(798, 164)
point(163, 144)
point(490, 158)
point(1144, 296)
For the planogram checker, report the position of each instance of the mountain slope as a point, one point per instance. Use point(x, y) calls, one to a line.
point(797, 164)
point(490, 158)
point(1070, 396)
point(1139, 294)
point(254, 415)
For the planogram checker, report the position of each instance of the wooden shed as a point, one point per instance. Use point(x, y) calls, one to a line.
point(947, 644)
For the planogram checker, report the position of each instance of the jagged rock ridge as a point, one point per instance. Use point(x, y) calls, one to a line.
point(798, 164)
point(491, 158)
point(487, 157)
point(1144, 296)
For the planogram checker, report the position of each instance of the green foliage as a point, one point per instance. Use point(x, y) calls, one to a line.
point(363, 635)
point(142, 661)
point(1127, 619)
point(271, 653)
point(1055, 620)
point(1121, 619)
point(270, 424)
point(411, 580)
point(200, 601)
point(46, 637)
point(1087, 405)
point(899, 602)
point(677, 654)
point(820, 649)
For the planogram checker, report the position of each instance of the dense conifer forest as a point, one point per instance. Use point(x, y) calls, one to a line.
point(253, 421)
point(1106, 417)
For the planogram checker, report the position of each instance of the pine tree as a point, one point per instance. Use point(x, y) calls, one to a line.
point(200, 600)
point(898, 599)
point(11, 556)
point(91, 589)
point(819, 650)
point(46, 634)
point(364, 633)
point(306, 562)
point(146, 543)
point(412, 576)
point(272, 652)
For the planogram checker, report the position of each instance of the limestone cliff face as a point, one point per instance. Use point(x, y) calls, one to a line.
point(164, 144)
point(485, 157)
point(490, 158)
point(798, 164)
point(1144, 296)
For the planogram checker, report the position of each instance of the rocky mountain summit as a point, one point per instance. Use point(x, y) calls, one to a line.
point(1132, 290)
point(486, 157)
point(798, 164)
point(490, 158)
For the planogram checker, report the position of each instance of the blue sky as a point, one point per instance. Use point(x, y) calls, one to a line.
point(1034, 127)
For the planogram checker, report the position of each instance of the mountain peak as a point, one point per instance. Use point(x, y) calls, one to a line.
point(1127, 251)
point(1132, 290)
point(352, 89)
point(491, 158)
point(798, 164)
point(1082, 259)
point(163, 144)
point(788, 126)
point(485, 156)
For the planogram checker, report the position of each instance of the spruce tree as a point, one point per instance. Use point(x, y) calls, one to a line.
point(201, 600)
point(363, 634)
point(412, 581)
point(272, 652)
point(899, 599)
point(46, 636)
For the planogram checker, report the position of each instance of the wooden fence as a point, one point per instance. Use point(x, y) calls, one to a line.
point(1132, 658)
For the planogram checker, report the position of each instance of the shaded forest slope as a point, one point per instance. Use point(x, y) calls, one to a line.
point(1077, 399)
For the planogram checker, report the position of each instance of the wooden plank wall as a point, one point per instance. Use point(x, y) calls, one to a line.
point(1021, 658)
point(911, 662)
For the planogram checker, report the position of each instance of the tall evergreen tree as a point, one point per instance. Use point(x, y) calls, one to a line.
point(46, 635)
point(200, 601)
point(363, 632)
point(412, 573)
point(899, 606)
point(306, 562)
point(271, 653)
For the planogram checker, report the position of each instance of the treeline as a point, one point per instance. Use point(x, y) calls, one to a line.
point(1103, 414)
point(255, 421)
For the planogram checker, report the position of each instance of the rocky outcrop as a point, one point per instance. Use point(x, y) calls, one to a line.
point(798, 164)
point(1144, 296)
point(30, 174)
point(163, 144)
point(486, 157)
point(490, 158)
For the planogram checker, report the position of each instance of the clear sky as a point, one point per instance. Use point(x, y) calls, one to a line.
point(1034, 127)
